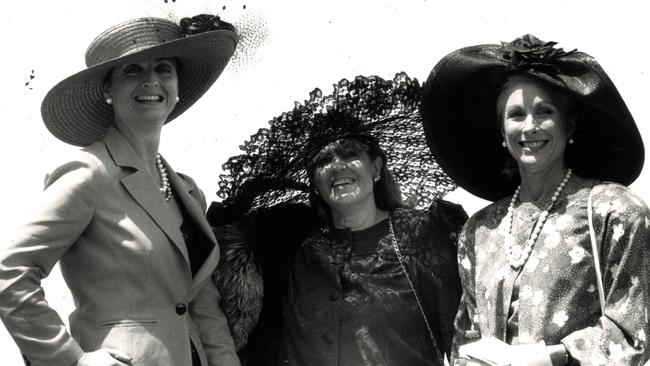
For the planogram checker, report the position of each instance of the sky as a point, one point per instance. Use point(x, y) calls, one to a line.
point(291, 47)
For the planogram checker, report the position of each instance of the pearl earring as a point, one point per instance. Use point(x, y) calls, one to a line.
point(109, 100)
point(570, 141)
point(504, 143)
point(177, 99)
point(375, 179)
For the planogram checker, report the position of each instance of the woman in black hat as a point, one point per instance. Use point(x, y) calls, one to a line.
point(558, 258)
point(368, 279)
point(135, 247)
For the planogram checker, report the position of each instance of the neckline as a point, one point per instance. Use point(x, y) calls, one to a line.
point(378, 228)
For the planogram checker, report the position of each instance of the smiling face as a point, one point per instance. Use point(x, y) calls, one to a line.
point(344, 178)
point(143, 92)
point(536, 125)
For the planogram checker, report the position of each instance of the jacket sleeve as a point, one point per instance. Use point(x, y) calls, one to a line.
point(466, 326)
point(622, 225)
point(213, 327)
point(66, 208)
point(206, 311)
point(445, 220)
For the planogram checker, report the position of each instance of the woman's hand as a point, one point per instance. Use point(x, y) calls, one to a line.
point(104, 357)
point(498, 352)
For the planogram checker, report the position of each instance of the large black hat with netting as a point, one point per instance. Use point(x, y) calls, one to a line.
point(273, 167)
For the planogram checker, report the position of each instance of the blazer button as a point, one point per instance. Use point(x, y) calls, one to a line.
point(335, 295)
point(181, 309)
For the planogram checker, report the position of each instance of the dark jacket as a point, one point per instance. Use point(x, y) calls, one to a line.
point(343, 307)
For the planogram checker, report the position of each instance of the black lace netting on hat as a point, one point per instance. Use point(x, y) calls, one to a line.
point(272, 169)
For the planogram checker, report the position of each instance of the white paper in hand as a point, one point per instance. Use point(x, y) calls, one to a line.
point(487, 351)
point(493, 352)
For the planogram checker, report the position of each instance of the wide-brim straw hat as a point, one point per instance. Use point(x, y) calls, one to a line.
point(75, 110)
point(461, 124)
point(273, 166)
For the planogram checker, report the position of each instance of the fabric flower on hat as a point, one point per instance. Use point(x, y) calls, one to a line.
point(529, 52)
point(203, 23)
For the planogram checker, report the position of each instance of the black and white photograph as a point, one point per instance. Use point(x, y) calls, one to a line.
point(324, 183)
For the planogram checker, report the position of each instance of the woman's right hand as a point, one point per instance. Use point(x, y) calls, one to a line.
point(104, 357)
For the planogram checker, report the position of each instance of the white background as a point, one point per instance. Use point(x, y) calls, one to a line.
point(298, 45)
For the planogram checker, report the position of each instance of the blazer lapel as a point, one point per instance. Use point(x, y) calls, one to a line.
point(194, 210)
point(142, 188)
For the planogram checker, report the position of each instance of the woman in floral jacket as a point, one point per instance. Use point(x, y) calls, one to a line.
point(569, 147)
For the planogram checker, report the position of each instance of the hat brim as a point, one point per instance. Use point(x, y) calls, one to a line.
point(274, 166)
point(462, 129)
point(75, 111)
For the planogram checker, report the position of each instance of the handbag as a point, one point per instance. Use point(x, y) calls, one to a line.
point(595, 252)
point(436, 349)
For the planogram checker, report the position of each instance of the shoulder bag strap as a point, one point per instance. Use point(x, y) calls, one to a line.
point(436, 349)
point(594, 248)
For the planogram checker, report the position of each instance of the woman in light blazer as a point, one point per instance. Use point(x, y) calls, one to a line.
point(135, 248)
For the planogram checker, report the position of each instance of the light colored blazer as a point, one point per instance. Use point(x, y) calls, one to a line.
point(124, 261)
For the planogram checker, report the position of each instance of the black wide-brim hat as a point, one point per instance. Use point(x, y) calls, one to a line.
point(462, 128)
point(75, 110)
point(273, 168)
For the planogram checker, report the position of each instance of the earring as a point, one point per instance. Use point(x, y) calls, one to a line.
point(375, 179)
point(570, 141)
point(504, 143)
point(177, 99)
point(109, 100)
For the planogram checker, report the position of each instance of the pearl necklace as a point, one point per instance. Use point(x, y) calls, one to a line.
point(516, 263)
point(165, 187)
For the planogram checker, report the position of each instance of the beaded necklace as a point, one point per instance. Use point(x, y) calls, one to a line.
point(516, 263)
point(165, 187)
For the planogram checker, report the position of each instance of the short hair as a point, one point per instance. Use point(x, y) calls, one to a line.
point(386, 191)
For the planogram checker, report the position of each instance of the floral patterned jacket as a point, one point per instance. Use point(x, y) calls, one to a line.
point(553, 298)
point(350, 309)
